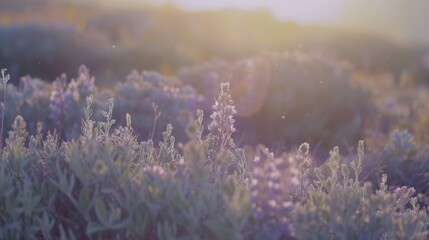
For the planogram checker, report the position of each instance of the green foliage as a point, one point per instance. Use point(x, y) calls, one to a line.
point(405, 161)
point(107, 184)
point(401, 145)
point(348, 209)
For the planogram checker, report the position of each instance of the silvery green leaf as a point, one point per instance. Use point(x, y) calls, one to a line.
point(94, 227)
point(101, 212)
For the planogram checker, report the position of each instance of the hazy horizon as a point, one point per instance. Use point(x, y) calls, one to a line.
point(400, 20)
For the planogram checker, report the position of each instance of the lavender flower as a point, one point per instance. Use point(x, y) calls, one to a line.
point(303, 162)
point(57, 100)
point(222, 125)
point(154, 172)
point(60, 105)
point(402, 196)
point(85, 82)
point(68, 100)
point(18, 135)
point(5, 78)
point(271, 191)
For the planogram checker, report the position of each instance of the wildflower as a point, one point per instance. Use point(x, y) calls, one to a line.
point(154, 172)
point(270, 192)
point(60, 104)
point(6, 77)
point(304, 149)
point(403, 195)
point(222, 125)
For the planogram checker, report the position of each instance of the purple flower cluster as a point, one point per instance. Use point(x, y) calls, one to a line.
point(35, 101)
point(154, 172)
point(60, 104)
point(84, 85)
point(271, 191)
point(141, 90)
point(402, 196)
point(67, 101)
point(222, 125)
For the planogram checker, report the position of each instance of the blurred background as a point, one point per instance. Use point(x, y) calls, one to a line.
point(328, 72)
point(45, 38)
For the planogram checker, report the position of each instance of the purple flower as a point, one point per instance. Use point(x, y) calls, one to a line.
point(222, 125)
point(62, 106)
point(403, 195)
point(271, 190)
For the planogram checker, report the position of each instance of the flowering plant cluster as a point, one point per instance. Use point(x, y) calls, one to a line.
point(348, 209)
point(60, 105)
point(108, 184)
point(271, 192)
point(142, 91)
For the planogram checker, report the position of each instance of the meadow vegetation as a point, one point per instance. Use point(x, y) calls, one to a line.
point(65, 178)
point(240, 126)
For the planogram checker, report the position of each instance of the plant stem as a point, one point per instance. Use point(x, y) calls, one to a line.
point(5, 79)
point(2, 117)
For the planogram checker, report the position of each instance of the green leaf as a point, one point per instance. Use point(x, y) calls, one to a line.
point(93, 227)
point(81, 170)
point(84, 201)
point(221, 231)
point(101, 211)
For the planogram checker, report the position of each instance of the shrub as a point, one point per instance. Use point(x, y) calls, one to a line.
point(60, 105)
point(45, 50)
point(405, 161)
point(348, 209)
point(140, 92)
point(109, 185)
point(57, 106)
point(289, 97)
point(67, 101)
point(106, 184)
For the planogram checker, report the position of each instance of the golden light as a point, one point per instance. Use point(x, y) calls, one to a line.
point(305, 11)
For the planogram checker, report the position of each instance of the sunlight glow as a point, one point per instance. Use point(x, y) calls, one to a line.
point(305, 11)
